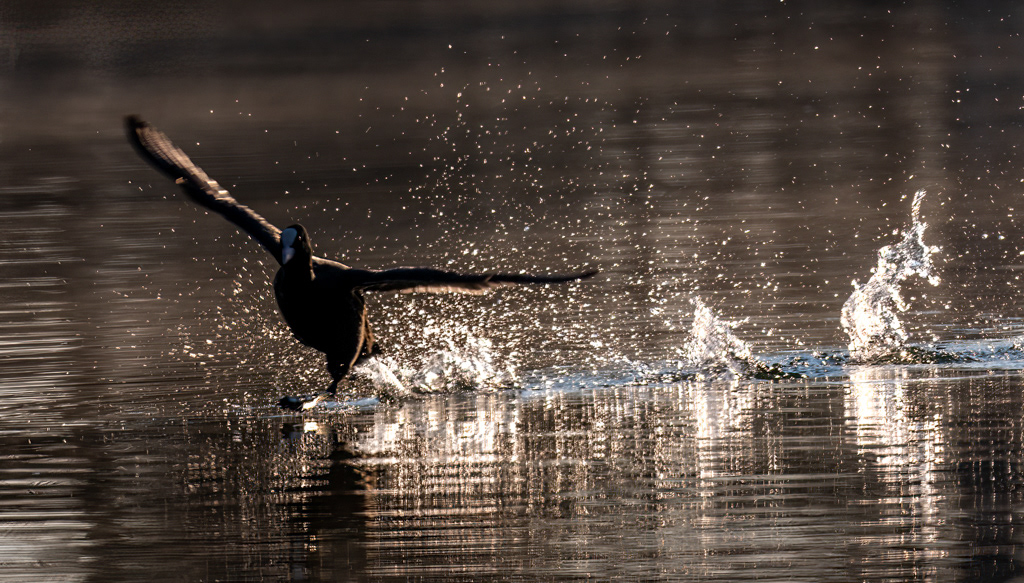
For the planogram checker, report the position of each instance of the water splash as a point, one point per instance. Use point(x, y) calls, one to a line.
point(870, 315)
point(469, 364)
point(713, 346)
point(380, 372)
point(716, 351)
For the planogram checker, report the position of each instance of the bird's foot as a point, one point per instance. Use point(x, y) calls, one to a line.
point(301, 403)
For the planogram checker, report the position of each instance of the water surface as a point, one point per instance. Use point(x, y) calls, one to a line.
point(749, 161)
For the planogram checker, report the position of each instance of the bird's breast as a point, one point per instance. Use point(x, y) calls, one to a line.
point(319, 316)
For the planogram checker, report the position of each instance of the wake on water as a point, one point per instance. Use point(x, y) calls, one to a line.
point(870, 318)
point(713, 351)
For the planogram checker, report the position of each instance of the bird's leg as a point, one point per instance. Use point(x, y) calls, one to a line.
point(333, 389)
point(338, 371)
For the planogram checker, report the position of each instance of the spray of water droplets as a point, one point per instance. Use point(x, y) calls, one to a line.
point(713, 346)
point(870, 315)
point(462, 362)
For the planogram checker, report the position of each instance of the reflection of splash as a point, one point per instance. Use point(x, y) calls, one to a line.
point(908, 449)
point(720, 415)
point(870, 314)
point(619, 474)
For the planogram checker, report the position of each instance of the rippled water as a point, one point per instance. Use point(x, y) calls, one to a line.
point(691, 414)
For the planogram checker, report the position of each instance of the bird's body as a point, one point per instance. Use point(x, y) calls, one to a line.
point(319, 306)
point(321, 300)
point(325, 310)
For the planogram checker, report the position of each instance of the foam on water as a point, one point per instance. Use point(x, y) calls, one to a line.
point(871, 314)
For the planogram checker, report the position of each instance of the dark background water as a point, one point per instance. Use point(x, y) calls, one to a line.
point(753, 154)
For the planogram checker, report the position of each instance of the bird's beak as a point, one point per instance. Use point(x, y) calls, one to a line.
point(286, 255)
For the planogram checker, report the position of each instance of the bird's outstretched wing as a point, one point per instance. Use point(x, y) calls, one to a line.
point(422, 279)
point(155, 147)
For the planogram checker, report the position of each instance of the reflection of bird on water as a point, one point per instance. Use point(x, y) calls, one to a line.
point(331, 503)
point(321, 300)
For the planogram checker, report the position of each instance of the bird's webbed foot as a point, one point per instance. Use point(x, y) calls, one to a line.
point(305, 403)
point(301, 403)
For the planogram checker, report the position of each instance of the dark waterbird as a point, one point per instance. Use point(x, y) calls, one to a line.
point(321, 300)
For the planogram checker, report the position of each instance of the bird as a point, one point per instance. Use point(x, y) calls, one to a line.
point(321, 300)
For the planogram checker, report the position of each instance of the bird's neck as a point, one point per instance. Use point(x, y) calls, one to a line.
point(299, 268)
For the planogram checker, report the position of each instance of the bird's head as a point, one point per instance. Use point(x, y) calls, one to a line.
point(295, 243)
